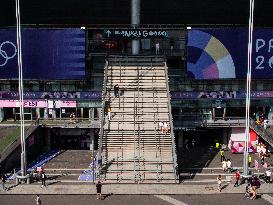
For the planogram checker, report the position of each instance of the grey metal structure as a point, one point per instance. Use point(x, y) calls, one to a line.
point(135, 21)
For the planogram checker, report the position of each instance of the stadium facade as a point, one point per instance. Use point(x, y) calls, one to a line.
point(205, 48)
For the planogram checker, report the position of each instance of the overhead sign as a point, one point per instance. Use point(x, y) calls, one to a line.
point(135, 33)
point(222, 53)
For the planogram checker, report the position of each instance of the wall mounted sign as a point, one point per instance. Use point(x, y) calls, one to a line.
point(135, 33)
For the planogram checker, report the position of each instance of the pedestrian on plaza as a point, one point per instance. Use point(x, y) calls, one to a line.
point(187, 144)
point(116, 90)
point(109, 112)
point(165, 127)
point(265, 124)
point(193, 143)
point(217, 146)
point(219, 182)
point(262, 159)
point(267, 176)
point(171, 45)
point(222, 155)
point(161, 126)
point(237, 177)
point(224, 165)
point(38, 200)
point(228, 166)
point(99, 186)
point(157, 48)
point(249, 160)
point(43, 177)
point(2, 181)
point(253, 193)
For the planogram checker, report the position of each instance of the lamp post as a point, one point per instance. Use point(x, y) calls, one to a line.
point(248, 84)
point(20, 87)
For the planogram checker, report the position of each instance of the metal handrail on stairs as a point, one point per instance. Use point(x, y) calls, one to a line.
point(267, 136)
point(171, 123)
point(100, 160)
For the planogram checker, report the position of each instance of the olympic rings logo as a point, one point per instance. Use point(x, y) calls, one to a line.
point(5, 54)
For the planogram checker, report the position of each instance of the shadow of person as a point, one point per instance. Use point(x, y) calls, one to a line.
point(106, 196)
point(225, 186)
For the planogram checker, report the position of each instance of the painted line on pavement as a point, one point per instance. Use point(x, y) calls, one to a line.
point(170, 200)
point(267, 198)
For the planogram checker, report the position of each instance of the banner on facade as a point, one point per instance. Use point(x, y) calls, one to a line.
point(220, 95)
point(52, 95)
point(38, 103)
point(46, 54)
point(222, 53)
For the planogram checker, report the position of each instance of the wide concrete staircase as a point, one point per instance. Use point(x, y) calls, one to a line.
point(133, 148)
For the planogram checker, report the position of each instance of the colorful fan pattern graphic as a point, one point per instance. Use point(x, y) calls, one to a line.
point(208, 58)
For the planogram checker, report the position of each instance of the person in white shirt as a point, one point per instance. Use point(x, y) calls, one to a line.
point(224, 165)
point(161, 126)
point(165, 127)
point(268, 175)
point(229, 166)
point(157, 48)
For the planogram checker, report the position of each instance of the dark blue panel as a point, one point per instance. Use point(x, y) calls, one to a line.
point(47, 53)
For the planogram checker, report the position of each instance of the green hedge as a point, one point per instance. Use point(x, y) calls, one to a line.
point(5, 141)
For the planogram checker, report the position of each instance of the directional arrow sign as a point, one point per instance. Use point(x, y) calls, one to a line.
point(108, 33)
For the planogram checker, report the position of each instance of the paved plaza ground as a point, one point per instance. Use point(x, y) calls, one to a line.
point(223, 199)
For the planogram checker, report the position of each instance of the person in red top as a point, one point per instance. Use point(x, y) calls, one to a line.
point(237, 177)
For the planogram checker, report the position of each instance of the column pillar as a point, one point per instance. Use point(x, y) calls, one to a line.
point(1, 114)
point(37, 113)
point(213, 113)
point(14, 113)
point(81, 112)
point(224, 113)
point(135, 21)
point(91, 113)
point(99, 109)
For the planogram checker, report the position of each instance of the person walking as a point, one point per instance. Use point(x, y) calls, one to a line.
point(43, 177)
point(157, 48)
point(229, 166)
point(222, 155)
point(193, 143)
point(267, 176)
point(187, 144)
point(99, 186)
point(237, 177)
point(109, 112)
point(38, 200)
point(253, 193)
point(116, 90)
point(262, 159)
point(249, 160)
point(224, 165)
point(219, 182)
point(165, 127)
point(217, 146)
point(161, 126)
point(2, 181)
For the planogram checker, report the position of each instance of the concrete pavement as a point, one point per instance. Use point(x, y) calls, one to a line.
point(133, 189)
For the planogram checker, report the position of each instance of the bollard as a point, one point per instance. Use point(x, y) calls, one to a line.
point(28, 180)
point(16, 180)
